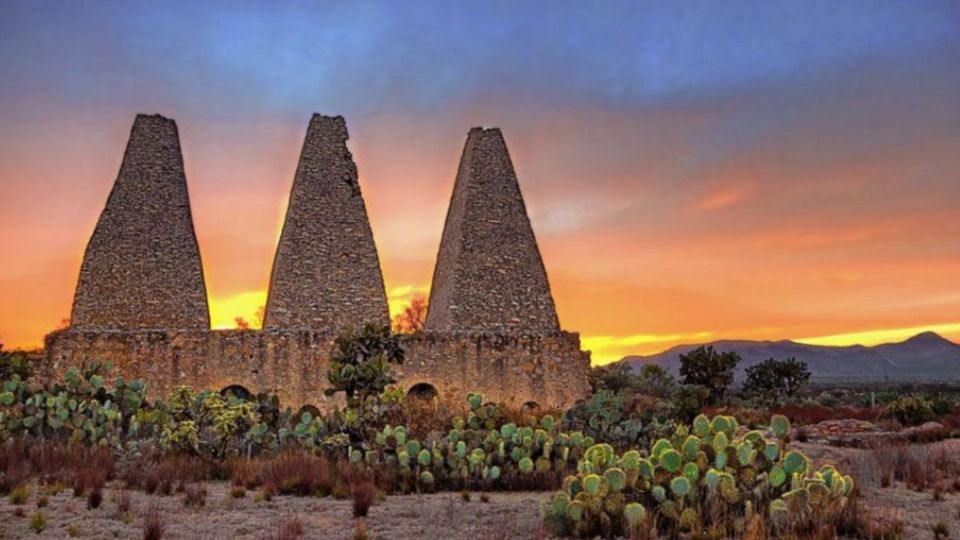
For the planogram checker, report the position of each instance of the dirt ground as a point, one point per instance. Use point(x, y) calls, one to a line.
point(437, 516)
point(918, 511)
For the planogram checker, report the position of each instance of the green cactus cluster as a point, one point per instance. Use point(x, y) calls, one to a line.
point(603, 418)
point(708, 469)
point(712, 467)
point(85, 407)
point(477, 451)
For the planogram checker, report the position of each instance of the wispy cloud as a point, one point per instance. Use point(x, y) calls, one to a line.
point(722, 199)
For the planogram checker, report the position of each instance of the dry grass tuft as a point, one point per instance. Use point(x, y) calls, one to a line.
point(153, 525)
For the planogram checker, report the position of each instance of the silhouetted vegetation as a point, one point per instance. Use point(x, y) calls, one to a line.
point(413, 317)
point(710, 369)
point(772, 381)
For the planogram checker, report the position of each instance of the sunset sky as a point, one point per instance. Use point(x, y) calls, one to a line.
point(694, 170)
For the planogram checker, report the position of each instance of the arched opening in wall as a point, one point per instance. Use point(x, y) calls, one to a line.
point(530, 407)
point(237, 391)
point(423, 393)
point(309, 409)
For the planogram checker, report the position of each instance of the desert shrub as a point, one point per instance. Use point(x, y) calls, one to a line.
point(814, 414)
point(706, 475)
point(298, 473)
point(14, 468)
point(688, 401)
point(910, 410)
point(245, 472)
point(614, 377)
point(287, 528)
point(650, 380)
point(195, 496)
point(713, 370)
point(14, 363)
point(420, 416)
point(121, 498)
point(919, 467)
point(94, 498)
point(38, 522)
point(942, 405)
point(772, 381)
point(154, 526)
point(238, 492)
point(19, 495)
point(364, 494)
point(654, 380)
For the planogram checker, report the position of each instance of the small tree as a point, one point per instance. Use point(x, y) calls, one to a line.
point(654, 380)
point(713, 370)
point(651, 380)
point(413, 317)
point(772, 380)
point(615, 377)
point(360, 365)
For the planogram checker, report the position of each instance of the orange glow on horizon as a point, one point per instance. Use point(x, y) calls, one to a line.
point(639, 259)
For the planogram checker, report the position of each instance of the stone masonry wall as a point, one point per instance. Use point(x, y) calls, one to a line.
point(326, 273)
point(489, 276)
point(492, 326)
point(548, 370)
point(142, 265)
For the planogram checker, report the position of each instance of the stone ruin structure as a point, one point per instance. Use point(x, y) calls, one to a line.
point(142, 267)
point(326, 274)
point(489, 276)
point(491, 326)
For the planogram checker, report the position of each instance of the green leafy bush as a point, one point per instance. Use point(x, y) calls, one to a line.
point(360, 365)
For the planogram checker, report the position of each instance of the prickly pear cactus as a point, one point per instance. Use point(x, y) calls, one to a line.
point(707, 470)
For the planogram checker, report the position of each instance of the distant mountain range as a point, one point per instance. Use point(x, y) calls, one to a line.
point(924, 357)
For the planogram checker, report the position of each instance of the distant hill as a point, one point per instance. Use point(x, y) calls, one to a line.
point(924, 357)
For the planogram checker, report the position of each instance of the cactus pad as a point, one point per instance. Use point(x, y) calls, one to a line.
point(780, 426)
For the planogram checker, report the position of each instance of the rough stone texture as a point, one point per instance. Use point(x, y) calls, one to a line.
point(326, 274)
point(548, 370)
point(492, 326)
point(489, 276)
point(142, 265)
